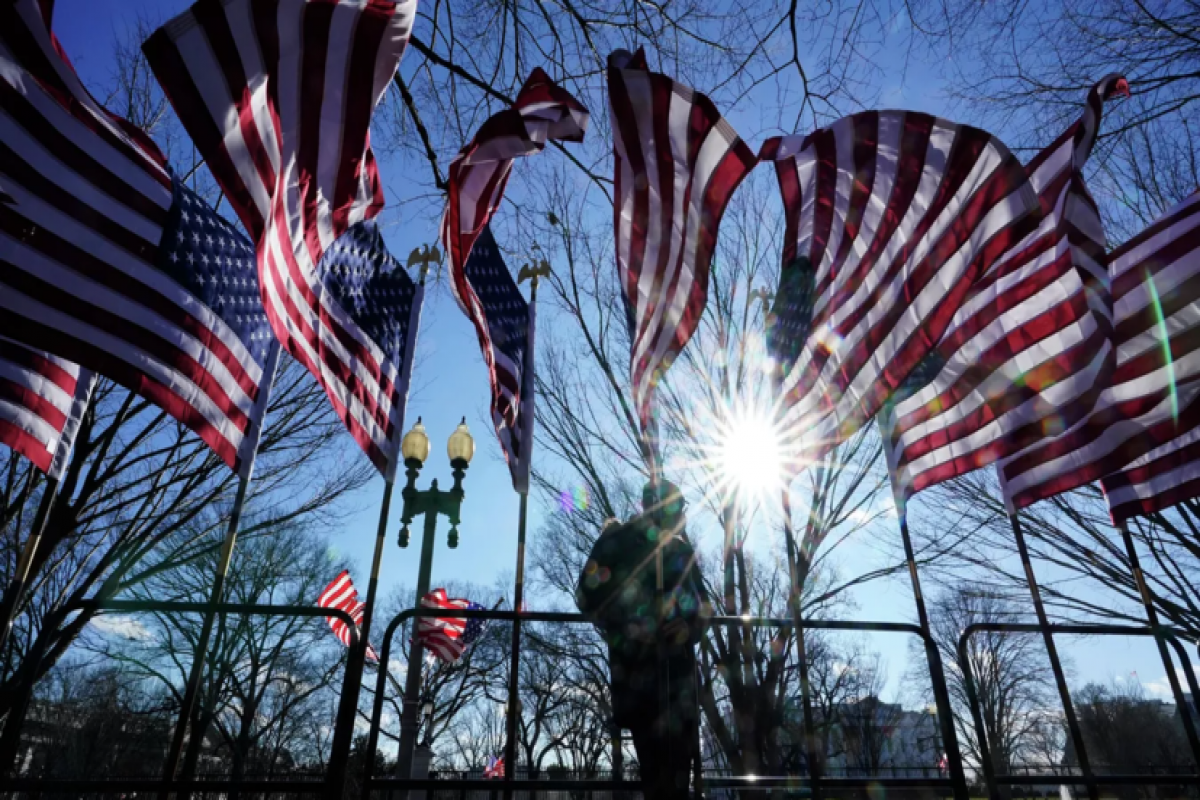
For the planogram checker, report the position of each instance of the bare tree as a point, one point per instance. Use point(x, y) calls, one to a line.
point(266, 677)
point(143, 496)
point(1026, 68)
point(1011, 674)
point(1126, 732)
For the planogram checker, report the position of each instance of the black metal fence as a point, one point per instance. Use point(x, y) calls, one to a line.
point(927, 784)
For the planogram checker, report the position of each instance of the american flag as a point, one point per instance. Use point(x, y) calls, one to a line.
point(789, 321)
point(278, 99)
point(479, 173)
point(677, 162)
point(494, 768)
point(1029, 351)
point(109, 262)
point(448, 637)
point(504, 323)
point(1141, 437)
point(42, 402)
point(342, 595)
point(899, 213)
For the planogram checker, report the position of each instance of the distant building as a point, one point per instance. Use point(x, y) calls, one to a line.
point(872, 738)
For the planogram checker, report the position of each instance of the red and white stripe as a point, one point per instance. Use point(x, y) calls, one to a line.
point(1030, 349)
point(42, 402)
point(342, 595)
point(443, 635)
point(479, 174)
point(86, 197)
point(900, 213)
point(277, 96)
point(677, 163)
point(1141, 436)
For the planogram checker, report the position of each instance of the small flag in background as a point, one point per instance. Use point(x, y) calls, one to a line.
point(494, 768)
point(342, 595)
point(448, 637)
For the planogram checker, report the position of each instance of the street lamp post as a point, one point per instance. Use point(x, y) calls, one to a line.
point(431, 503)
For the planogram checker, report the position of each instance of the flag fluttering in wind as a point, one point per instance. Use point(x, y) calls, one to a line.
point(504, 323)
point(677, 164)
point(108, 261)
point(341, 594)
point(42, 402)
point(448, 637)
point(1141, 437)
point(1029, 351)
point(482, 285)
point(788, 325)
point(899, 213)
point(494, 768)
point(278, 100)
point(543, 112)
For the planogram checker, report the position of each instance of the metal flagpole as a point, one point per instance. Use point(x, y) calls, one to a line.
point(937, 675)
point(192, 688)
point(510, 732)
point(16, 588)
point(811, 749)
point(1060, 679)
point(534, 272)
point(1189, 726)
point(343, 731)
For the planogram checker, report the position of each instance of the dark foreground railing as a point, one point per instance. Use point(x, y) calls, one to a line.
point(333, 786)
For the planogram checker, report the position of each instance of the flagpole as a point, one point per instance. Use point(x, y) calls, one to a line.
point(16, 588)
point(1060, 679)
point(343, 732)
point(1189, 726)
point(810, 730)
point(192, 688)
point(937, 675)
point(510, 742)
point(528, 388)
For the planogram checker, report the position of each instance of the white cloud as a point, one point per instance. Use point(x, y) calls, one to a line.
point(1161, 687)
point(121, 626)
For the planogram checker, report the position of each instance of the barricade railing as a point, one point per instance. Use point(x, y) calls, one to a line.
point(329, 787)
point(372, 783)
point(993, 781)
point(332, 785)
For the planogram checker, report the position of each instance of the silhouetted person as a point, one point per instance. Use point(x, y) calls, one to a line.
point(616, 591)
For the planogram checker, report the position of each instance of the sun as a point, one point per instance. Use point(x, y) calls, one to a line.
point(749, 454)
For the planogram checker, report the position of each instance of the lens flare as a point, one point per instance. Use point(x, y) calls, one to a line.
point(1165, 336)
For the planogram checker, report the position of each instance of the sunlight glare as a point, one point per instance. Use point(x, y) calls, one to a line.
point(750, 454)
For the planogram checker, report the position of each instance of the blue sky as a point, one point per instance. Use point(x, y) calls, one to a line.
point(451, 379)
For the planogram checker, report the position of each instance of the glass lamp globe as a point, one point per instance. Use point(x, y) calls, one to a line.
point(461, 446)
point(415, 445)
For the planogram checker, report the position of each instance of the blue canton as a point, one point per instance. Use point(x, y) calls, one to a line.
point(506, 311)
point(474, 627)
point(790, 320)
point(217, 264)
point(371, 286)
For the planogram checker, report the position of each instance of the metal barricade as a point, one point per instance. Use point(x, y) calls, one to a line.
point(994, 781)
point(329, 787)
point(372, 783)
